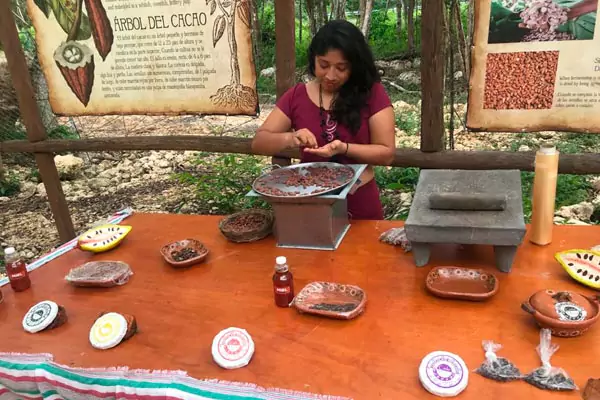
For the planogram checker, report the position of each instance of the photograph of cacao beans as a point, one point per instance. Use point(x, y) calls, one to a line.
point(235, 94)
point(520, 81)
point(74, 59)
point(514, 21)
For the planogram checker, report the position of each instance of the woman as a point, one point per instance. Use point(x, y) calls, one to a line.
point(343, 115)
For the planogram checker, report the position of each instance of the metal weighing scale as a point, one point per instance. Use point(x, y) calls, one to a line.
point(315, 222)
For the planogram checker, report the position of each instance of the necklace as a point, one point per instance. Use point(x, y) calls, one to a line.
point(328, 125)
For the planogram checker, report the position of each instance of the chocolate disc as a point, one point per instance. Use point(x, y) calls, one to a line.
point(108, 331)
point(40, 316)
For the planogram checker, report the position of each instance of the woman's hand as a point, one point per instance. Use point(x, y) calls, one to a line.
point(329, 150)
point(305, 138)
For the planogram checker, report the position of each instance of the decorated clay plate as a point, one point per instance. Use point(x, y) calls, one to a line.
point(462, 283)
point(304, 180)
point(332, 300)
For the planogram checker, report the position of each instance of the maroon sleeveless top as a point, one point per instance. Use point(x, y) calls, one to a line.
point(300, 109)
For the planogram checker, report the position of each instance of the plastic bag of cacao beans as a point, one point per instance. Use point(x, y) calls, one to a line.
point(497, 368)
point(548, 377)
point(396, 237)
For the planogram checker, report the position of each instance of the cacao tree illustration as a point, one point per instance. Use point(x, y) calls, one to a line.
point(74, 59)
point(235, 94)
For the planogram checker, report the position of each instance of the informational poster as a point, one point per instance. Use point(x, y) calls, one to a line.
point(146, 56)
point(536, 66)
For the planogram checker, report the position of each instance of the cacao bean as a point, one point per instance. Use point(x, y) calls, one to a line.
point(76, 64)
point(101, 29)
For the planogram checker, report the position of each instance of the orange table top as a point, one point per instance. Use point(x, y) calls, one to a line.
point(373, 356)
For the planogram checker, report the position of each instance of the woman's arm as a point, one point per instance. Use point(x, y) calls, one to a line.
point(380, 151)
point(582, 8)
point(274, 135)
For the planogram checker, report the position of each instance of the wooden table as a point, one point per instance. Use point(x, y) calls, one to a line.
point(374, 356)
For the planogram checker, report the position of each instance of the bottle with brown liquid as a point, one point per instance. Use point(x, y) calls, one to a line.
point(283, 283)
point(16, 270)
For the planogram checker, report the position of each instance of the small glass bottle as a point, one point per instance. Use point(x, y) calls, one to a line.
point(16, 270)
point(283, 283)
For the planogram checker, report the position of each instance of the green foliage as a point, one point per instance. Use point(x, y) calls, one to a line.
point(409, 122)
point(64, 12)
point(9, 185)
point(403, 179)
point(224, 182)
point(570, 189)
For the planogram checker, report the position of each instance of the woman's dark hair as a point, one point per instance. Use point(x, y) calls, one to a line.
point(353, 95)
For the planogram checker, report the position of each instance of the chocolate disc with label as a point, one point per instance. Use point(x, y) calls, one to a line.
point(232, 348)
point(40, 316)
point(108, 331)
point(443, 374)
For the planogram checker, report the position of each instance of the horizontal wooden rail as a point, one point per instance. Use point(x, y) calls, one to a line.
point(581, 164)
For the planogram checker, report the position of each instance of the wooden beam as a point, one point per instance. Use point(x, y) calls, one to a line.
point(432, 76)
point(586, 163)
point(285, 45)
point(31, 118)
point(285, 53)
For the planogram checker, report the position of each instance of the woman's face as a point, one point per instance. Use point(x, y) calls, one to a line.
point(332, 70)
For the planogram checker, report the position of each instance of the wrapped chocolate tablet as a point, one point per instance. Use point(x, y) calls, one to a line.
point(100, 274)
point(497, 368)
point(548, 377)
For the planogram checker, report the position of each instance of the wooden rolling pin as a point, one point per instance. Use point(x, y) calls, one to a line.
point(467, 201)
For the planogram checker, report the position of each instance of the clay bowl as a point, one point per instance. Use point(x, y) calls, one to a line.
point(333, 300)
point(542, 305)
point(170, 251)
point(462, 283)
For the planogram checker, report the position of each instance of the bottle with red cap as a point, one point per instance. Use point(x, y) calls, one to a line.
point(283, 283)
point(16, 270)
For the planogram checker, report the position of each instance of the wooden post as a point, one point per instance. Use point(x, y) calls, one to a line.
point(285, 53)
point(32, 120)
point(432, 76)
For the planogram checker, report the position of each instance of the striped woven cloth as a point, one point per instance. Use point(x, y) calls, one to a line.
point(36, 376)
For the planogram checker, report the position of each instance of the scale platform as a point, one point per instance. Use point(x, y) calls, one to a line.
point(504, 229)
point(314, 223)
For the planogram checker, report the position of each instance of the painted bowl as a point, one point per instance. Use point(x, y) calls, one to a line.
point(184, 253)
point(462, 283)
point(565, 313)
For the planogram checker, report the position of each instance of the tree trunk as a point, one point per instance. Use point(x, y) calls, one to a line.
point(323, 12)
point(399, 7)
point(255, 25)
point(235, 65)
point(362, 5)
point(410, 23)
point(338, 9)
point(366, 25)
point(469, 40)
point(461, 42)
point(387, 8)
point(312, 19)
point(300, 21)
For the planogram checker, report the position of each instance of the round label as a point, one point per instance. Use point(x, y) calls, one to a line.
point(444, 371)
point(232, 348)
point(568, 311)
point(40, 316)
point(443, 374)
point(108, 331)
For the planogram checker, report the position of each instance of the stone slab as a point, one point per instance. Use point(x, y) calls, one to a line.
point(495, 227)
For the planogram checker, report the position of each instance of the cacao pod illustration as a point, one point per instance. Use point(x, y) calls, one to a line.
point(76, 64)
point(101, 29)
point(219, 28)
